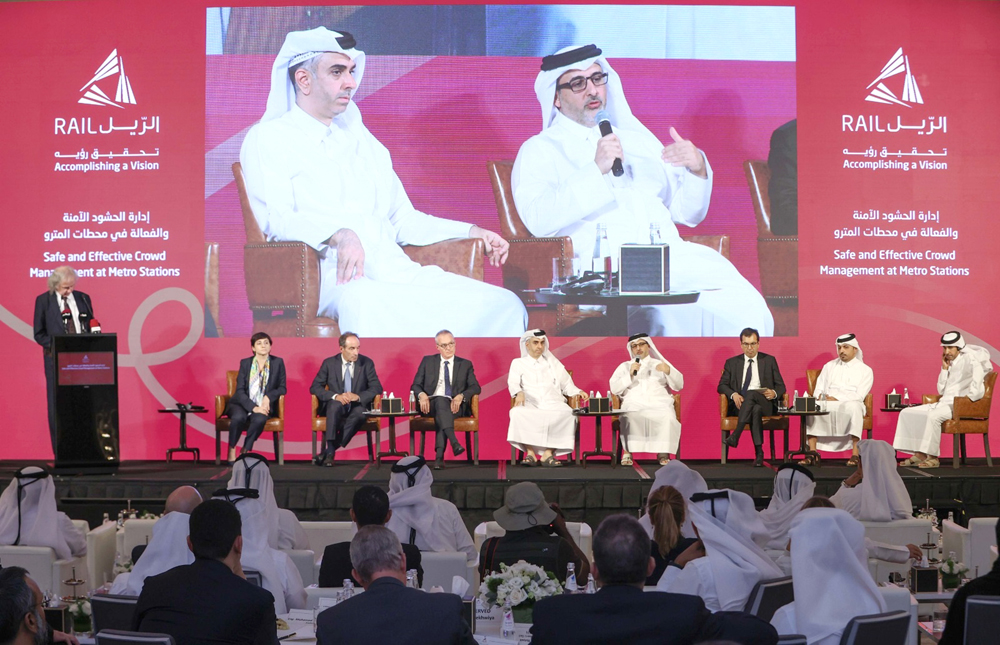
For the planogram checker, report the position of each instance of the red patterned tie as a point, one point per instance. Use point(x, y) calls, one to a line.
point(70, 327)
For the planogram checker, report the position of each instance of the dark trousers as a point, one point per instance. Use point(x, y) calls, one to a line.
point(444, 420)
point(341, 424)
point(240, 420)
point(755, 406)
point(50, 391)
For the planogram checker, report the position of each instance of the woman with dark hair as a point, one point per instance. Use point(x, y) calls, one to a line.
point(261, 380)
point(666, 509)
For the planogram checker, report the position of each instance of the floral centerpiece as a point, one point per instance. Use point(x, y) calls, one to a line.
point(951, 573)
point(521, 584)
point(79, 610)
point(122, 565)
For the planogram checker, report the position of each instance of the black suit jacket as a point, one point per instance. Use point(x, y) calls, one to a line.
point(275, 385)
point(733, 374)
point(625, 614)
point(365, 382)
point(337, 565)
point(48, 316)
point(463, 380)
point(389, 612)
point(204, 603)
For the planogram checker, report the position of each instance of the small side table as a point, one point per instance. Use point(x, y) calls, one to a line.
point(803, 444)
point(183, 411)
point(598, 442)
point(392, 451)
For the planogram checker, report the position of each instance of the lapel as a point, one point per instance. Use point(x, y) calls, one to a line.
point(432, 376)
point(338, 374)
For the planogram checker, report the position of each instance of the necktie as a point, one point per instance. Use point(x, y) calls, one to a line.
point(70, 327)
point(447, 380)
point(347, 381)
point(746, 381)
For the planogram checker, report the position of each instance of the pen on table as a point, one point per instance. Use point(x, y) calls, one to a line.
point(281, 638)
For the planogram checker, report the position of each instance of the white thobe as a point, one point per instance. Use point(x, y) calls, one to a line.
point(448, 518)
point(291, 535)
point(850, 383)
point(306, 181)
point(560, 191)
point(545, 420)
point(919, 428)
point(695, 579)
point(648, 420)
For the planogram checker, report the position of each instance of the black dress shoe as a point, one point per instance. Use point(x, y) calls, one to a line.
point(439, 464)
point(457, 449)
point(731, 441)
point(758, 462)
point(320, 458)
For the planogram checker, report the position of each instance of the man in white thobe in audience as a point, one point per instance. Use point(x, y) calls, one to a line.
point(793, 486)
point(644, 383)
point(564, 185)
point(918, 430)
point(875, 492)
point(315, 174)
point(844, 382)
point(29, 517)
point(168, 547)
point(285, 532)
point(541, 423)
point(420, 519)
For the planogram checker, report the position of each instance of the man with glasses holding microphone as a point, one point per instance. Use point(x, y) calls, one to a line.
point(594, 163)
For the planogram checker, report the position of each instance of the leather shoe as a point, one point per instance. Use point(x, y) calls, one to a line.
point(457, 449)
point(439, 464)
point(731, 441)
point(320, 458)
point(758, 461)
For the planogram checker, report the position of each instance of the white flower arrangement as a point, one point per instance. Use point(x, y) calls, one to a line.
point(520, 583)
point(952, 568)
point(79, 608)
point(122, 566)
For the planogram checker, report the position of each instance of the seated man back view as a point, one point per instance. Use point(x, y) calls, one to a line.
point(416, 617)
point(370, 507)
point(621, 612)
point(209, 601)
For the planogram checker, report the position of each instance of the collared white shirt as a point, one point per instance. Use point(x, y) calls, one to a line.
point(72, 307)
point(755, 377)
point(345, 368)
point(439, 389)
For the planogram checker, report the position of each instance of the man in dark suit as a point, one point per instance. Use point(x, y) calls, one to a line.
point(409, 616)
point(620, 612)
point(255, 399)
point(209, 601)
point(985, 585)
point(752, 382)
point(445, 385)
point(370, 507)
point(347, 385)
point(60, 310)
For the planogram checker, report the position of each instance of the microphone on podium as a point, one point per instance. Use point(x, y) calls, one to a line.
point(84, 322)
point(604, 123)
point(95, 327)
point(67, 318)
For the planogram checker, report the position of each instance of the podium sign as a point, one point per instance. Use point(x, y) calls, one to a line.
point(86, 399)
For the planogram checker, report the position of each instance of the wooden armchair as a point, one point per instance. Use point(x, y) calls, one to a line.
point(616, 424)
point(283, 278)
point(777, 255)
point(274, 425)
point(212, 285)
point(813, 375)
point(469, 425)
point(771, 424)
point(370, 425)
point(529, 263)
point(969, 417)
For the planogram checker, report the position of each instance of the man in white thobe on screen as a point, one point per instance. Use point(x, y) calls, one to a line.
point(541, 423)
point(648, 420)
point(845, 382)
point(918, 430)
point(563, 185)
point(315, 174)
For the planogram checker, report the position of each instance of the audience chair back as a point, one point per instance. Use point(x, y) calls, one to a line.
point(877, 629)
point(440, 568)
point(112, 611)
point(982, 617)
point(254, 577)
point(101, 548)
point(813, 375)
point(768, 596)
point(792, 639)
point(137, 532)
point(120, 637)
point(305, 561)
point(41, 563)
point(323, 534)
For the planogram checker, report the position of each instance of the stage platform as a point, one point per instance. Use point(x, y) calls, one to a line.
point(585, 494)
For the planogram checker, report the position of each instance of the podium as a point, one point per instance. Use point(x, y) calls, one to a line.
point(86, 400)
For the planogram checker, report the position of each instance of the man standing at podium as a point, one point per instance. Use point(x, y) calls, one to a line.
point(60, 310)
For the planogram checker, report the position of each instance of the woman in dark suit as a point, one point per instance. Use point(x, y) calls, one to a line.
point(260, 382)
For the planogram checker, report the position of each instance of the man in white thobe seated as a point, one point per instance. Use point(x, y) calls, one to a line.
point(29, 517)
point(285, 532)
point(918, 430)
point(420, 519)
point(315, 174)
point(727, 561)
point(168, 547)
point(541, 423)
point(875, 492)
point(793, 487)
point(565, 184)
point(841, 387)
point(644, 383)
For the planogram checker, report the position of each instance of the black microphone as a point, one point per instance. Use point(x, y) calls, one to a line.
point(636, 365)
point(84, 324)
point(604, 123)
point(67, 317)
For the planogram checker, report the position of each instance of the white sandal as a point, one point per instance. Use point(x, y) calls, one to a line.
point(627, 459)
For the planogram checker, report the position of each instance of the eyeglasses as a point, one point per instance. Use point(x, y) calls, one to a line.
point(446, 345)
point(579, 83)
point(749, 345)
point(639, 345)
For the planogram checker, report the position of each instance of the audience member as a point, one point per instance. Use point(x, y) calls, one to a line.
point(370, 507)
point(417, 618)
point(621, 613)
point(686, 481)
point(793, 486)
point(726, 562)
point(168, 548)
point(22, 621)
point(535, 532)
point(666, 509)
point(285, 532)
point(28, 516)
point(875, 492)
point(986, 585)
point(829, 576)
point(418, 518)
point(209, 601)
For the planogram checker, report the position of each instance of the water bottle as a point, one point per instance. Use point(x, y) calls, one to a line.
point(507, 629)
point(413, 401)
point(571, 578)
point(411, 579)
point(606, 257)
point(106, 519)
point(654, 234)
point(348, 585)
point(794, 397)
point(591, 585)
point(598, 262)
point(906, 396)
point(821, 405)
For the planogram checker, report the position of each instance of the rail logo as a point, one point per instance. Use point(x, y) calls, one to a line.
point(94, 95)
point(86, 359)
point(880, 93)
